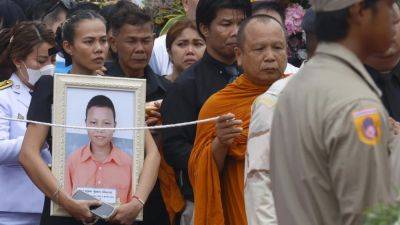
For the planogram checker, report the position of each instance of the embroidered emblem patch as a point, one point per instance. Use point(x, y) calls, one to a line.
point(368, 126)
point(20, 116)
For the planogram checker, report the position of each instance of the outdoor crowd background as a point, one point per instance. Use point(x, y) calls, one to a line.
point(171, 200)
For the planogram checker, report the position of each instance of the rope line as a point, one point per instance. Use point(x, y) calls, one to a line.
point(114, 128)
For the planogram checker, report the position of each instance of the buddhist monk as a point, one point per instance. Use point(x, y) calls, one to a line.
point(216, 164)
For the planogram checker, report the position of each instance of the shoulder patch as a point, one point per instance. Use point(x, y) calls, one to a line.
point(5, 84)
point(266, 100)
point(368, 126)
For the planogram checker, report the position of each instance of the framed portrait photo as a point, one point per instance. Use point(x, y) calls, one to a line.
point(103, 163)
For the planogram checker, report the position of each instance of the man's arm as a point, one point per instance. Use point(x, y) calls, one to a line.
point(178, 106)
point(356, 139)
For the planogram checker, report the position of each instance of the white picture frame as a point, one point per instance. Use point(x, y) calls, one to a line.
point(71, 94)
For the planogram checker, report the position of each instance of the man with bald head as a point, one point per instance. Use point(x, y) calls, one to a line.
point(330, 135)
point(216, 164)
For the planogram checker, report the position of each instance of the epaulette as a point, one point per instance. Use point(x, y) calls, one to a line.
point(6, 84)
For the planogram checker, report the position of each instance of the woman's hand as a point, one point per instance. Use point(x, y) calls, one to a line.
point(127, 213)
point(80, 210)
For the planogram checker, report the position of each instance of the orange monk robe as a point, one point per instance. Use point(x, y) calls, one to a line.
point(172, 196)
point(170, 192)
point(219, 198)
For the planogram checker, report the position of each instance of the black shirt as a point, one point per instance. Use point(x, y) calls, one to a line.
point(156, 86)
point(389, 84)
point(40, 109)
point(182, 103)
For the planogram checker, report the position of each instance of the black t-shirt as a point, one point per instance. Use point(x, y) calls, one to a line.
point(40, 110)
point(41, 103)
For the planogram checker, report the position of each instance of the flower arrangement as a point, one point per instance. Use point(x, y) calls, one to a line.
point(294, 17)
point(296, 42)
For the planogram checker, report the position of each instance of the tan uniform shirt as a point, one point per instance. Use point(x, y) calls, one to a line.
point(329, 143)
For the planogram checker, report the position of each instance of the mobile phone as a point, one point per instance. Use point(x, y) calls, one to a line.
point(104, 211)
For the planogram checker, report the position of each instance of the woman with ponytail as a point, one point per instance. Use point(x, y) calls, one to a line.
point(84, 43)
point(26, 55)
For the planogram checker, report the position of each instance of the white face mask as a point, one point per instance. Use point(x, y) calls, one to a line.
point(34, 75)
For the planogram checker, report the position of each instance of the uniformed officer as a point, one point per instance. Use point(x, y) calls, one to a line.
point(329, 145)
point(27, 54)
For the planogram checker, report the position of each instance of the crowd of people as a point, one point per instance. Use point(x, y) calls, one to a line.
point(312, 145)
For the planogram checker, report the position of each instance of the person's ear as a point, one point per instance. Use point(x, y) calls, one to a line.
point(17, 63)
point(205, 31)
point(68, 48)
point(239, 55)
point(113, 43)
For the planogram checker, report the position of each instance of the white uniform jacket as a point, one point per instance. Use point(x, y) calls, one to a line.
point(17, 192)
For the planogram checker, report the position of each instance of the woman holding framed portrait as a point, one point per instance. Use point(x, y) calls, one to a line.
point(84, 40)
point(26, 52)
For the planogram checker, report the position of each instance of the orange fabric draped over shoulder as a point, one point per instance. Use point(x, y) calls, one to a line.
point(219, 198)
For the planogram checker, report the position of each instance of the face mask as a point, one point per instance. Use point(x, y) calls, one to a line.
point(34, 75)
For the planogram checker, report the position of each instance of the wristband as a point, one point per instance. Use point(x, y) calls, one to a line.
point(137, 198)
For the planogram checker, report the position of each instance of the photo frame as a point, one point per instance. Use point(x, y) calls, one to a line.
point(103, 163)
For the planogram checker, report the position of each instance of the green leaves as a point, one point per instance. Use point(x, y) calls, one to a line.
point(383, 215)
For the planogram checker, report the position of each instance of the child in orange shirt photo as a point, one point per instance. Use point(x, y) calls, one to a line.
point(100, 166)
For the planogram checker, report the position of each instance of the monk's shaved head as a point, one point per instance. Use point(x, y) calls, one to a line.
point(241, 37)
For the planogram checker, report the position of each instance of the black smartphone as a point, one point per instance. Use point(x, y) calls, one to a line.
point(104, 211)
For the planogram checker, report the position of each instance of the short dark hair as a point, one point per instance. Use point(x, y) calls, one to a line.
point(109, 11)
point(241, 37)
point(207, 10)
point(129, 15)
point(83, 6)
point(100, 101)
point(333, 26)
point(308, 23)
point(270, 5)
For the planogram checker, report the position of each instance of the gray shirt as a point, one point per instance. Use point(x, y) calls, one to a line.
point(329, 145)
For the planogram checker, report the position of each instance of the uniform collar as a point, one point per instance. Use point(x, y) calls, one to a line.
point(341, 52)
point(22, 91)
point(113, 156)
point(230, 71)
point(18, 86)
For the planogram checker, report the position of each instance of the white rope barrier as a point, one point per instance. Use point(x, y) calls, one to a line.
point(116, 128)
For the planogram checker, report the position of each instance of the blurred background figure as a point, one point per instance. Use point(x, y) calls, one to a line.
point(185, 46)
point(308, 26)
point(10, 13)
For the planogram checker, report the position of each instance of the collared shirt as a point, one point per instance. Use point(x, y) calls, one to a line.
point(182, 104)
point(389, 84)
point(329, 143)
point(115, 172)
point(156, 86)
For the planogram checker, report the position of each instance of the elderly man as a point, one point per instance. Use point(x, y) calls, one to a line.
point(216, 165)
point(330, 134)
